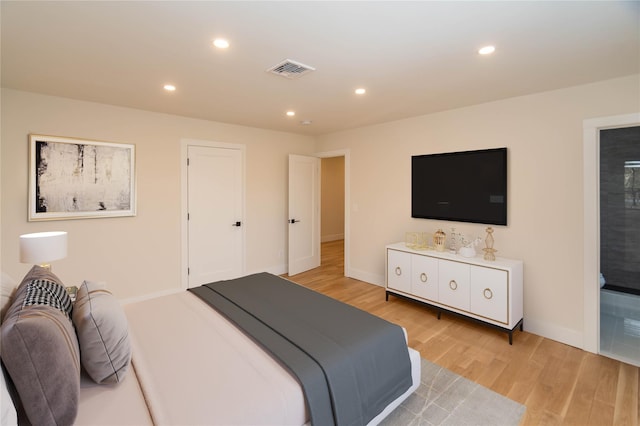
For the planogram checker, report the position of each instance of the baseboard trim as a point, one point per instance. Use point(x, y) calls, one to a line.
point(275, 270)
point(151, 296)
point(366, 277)
point(553, 332)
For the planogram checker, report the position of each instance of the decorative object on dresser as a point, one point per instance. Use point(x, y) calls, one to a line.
point(468, 247)
point(487, 292)
point(411, 239)
point(439, 239)
point(489, 251)
point(467, 251)
point(418, 240)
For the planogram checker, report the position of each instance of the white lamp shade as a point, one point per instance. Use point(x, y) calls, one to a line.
point(43, 247)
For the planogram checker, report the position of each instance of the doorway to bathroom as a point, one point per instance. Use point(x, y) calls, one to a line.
point(619, 183)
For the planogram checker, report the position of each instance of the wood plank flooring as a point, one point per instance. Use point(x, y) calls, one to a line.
point(559, 384)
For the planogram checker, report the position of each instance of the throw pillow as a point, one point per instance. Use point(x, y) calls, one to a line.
point(40, 349)
point(103, 333)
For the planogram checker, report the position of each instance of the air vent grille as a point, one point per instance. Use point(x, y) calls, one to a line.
point(290, 69)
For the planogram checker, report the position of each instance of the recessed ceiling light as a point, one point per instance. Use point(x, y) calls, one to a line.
point(361, 91)
point(306, 122)
point(291, 113)
point(221, 43)
point(487, 50)
point(169, 87)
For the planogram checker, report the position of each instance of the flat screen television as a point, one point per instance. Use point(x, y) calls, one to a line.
point(469, 186)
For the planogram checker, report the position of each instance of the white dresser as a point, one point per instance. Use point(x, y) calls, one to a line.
point(489, 292)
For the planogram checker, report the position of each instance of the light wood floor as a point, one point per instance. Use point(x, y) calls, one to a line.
point(559, 384)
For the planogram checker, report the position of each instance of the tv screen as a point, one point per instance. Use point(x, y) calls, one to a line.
point(469, 186)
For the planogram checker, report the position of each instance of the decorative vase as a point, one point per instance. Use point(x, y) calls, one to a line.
point(468, 251)
point(439, 239)
point(453, 241)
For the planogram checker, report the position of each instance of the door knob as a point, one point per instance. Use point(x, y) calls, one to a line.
point(237, 224)
point(294, 221)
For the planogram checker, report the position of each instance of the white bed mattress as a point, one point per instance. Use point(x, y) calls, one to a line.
point(195, 367)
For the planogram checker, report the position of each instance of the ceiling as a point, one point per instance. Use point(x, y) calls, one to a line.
point(413, 58)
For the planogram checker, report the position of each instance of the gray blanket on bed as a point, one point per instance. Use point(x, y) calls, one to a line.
point(350, 364)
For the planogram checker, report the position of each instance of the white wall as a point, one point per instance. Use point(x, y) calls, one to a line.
point(139, 255)
point(544, 136)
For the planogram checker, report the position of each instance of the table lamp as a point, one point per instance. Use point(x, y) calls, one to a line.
point(41, 248)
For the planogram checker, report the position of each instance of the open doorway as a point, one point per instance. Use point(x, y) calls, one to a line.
point(334, 226)
point(595, 296)
point(620, 243)
point(332, 199)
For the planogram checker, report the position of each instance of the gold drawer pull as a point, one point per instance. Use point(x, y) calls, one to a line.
point(398, 271)
point(453, 285)
point(487, 293)
point(423, 277)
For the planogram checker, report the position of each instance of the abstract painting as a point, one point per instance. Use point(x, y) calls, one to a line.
point(76, 178)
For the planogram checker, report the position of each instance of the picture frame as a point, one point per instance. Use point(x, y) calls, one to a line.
point(73, 178)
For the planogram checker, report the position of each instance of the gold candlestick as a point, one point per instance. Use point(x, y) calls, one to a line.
point(489, 250)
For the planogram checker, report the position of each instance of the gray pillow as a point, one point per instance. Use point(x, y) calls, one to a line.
point(40, 349)
point(103, 333)
point(7, 290)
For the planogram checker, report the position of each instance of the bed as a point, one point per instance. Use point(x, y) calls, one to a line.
point(177, 360)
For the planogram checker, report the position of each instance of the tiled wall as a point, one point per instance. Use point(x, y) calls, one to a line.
point(619, 220)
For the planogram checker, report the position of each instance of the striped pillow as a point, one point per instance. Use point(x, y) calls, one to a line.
point(48, 292)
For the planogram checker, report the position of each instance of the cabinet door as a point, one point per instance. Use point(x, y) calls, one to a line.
point(399, 270)
point(453, 284)
point(489, 293)
point(424, 277)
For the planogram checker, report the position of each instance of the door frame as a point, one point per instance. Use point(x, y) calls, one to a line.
point(185, 143)
point(591, 182)
point(347, 202)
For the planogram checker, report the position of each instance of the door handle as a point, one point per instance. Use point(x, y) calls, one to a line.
point(237, 224)
point(294, 221)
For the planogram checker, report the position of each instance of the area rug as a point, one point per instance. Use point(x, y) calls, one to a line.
point(445, 398)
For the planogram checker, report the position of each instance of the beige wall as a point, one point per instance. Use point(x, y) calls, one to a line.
point(142, 254)
point(332, 200)
point(544, 135)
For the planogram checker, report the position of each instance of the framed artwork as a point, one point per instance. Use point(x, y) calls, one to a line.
point(76, 178)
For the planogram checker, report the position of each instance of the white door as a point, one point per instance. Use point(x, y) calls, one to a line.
point(304, 213)
point(215, 201)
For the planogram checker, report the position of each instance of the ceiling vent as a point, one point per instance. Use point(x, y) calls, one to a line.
point(290, 69)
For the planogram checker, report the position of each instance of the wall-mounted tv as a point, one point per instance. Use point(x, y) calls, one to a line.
point(469, 186)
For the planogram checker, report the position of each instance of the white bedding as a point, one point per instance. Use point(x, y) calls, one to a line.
point(176, 336)
point(196, 368)
point(114, 404)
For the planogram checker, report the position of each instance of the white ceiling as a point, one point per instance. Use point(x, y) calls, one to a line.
point(413, 58)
